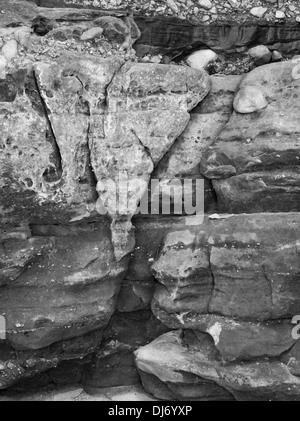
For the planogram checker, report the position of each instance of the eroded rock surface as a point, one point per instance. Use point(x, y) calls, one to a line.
point(187, 360)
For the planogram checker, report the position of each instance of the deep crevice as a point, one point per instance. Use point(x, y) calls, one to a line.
point(54, 172)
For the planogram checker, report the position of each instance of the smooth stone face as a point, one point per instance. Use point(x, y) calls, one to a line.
point(91, 34)
point(200, 59)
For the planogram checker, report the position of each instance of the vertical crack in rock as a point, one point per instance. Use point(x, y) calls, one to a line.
point(92, 175)
point(209, 251)
point(52, 174)
point(147, 150)
point(269, 282)
point(146, 110)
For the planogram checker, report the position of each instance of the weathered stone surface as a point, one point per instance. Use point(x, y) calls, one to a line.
point(242, 266)
point(16, 254)
point(206, 123)
point(196, 356)
point(68, 289)
point(16, 366)
point(263, 146)
point(238, 340)
point(172, 36)
point(90, 123)
point(114, 364)
point(190, 388)
point(148, 110)
point(55, 184)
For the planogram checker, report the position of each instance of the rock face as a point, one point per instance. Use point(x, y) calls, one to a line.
point(233, 283)
point(93, 291)
point(68, 126)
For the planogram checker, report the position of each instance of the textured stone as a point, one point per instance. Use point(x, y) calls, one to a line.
point(16, 366)
point(263, 146)
point(156, 33)
point(242, 266)
point(149, 108)
point(198, 360)
point(238, 340)
point(68, 289)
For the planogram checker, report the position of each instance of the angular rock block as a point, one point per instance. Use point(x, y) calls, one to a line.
point(243, 266)
point(184, 360)
point(262, 146)
point(68, 288)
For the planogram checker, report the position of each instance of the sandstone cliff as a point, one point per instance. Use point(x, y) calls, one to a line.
point(96, 294)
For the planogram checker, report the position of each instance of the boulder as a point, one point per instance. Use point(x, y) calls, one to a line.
point(261, 55)
point(250, 99)
point(200, 59)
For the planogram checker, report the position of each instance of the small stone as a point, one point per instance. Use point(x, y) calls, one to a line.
point(258, 12)
point(200, 59)
point(261, 54)
point(92, 34)
point(10, 50)
point(205, 4)
point(280, 14)
point(249, 100)
point(277, 56)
